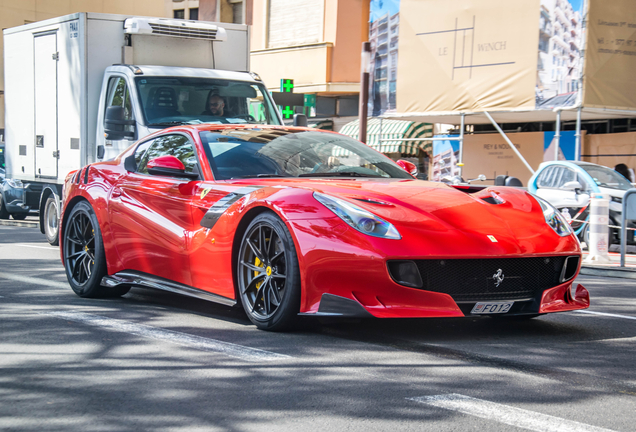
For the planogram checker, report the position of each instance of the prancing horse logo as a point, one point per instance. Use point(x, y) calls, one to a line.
point(498, 277)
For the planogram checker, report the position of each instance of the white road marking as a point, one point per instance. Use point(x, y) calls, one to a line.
point(506, 414)
point(606, 314)
point(201, 343)
point(33, 280)
point(37, 247)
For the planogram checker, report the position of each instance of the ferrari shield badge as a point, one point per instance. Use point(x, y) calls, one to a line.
point(492, 238)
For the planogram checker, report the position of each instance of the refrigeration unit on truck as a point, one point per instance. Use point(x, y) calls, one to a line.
point(83, 87)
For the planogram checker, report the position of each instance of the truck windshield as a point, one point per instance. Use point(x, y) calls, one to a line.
point(168, 101)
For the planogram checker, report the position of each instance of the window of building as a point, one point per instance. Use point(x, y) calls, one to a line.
point(179, 13)
point(194, 14)
point(294, 23)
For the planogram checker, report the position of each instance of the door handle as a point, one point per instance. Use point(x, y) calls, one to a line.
point(116, 193)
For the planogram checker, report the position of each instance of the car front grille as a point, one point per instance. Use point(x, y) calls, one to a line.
point(475, 280)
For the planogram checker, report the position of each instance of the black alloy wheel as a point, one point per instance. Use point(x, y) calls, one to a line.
point(84, 256)
point(268, 275)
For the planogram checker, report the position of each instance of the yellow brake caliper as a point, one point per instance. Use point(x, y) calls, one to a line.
point(257, 263)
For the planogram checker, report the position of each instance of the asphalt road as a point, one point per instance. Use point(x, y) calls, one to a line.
point(161, 362)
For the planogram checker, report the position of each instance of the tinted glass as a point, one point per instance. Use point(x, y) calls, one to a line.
point(244, 153)
point(175, 145)
point(606, 177)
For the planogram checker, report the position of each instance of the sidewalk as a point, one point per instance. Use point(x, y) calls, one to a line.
point(613, 268)
point(30, 221)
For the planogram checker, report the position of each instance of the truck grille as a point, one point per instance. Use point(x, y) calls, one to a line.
point(474, 279)
point(177, 31)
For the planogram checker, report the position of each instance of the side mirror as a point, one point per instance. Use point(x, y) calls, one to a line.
point(170, 166)
point(300, 120)
point(573, 186)
point(409, 167)
point(115, 125)
point(513, 181)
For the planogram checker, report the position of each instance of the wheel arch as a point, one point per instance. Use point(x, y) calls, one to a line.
point(67, 211)
point(245, 221)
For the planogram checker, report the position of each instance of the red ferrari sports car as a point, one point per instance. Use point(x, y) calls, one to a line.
point(294, 221)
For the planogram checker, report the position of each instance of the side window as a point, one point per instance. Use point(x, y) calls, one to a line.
point(556, 180)
point(545, 179)
point(567, 176)
point(119, 95)
point(141, 150)
point(176, 145)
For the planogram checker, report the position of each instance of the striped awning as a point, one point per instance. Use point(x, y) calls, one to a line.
point(379, 129)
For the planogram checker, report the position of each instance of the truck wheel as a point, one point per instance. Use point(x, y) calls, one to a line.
point(19, 216)
point(51, 222)
point(4, 214)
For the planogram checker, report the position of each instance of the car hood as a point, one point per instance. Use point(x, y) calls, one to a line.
point(433, 205)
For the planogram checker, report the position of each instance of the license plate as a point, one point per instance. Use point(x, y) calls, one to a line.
point(491, 308)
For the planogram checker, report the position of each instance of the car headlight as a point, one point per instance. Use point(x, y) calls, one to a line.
point(554, 218)
point(358, 218)
point(14, 183)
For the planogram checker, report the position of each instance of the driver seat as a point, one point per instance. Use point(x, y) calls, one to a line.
point(162, 102)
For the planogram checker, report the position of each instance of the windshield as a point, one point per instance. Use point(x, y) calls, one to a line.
point(606, 177)
point(249, 153)
point(168, 101)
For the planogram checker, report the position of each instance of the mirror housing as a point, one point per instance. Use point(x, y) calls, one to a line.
point(170, 166)
point(300, 120)
point(115, 125)
point(573, 186)
point(409, 167)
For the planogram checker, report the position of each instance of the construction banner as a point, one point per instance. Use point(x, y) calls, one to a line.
point(467, 55)
point(610, 55)
point(477, 55)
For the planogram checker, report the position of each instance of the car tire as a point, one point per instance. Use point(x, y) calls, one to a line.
point(267, 274)
point(51, 220)
point(84, 256)
point(19, 216)
point(4, 213)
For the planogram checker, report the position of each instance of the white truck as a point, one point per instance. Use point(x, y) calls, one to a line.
point(83, 87)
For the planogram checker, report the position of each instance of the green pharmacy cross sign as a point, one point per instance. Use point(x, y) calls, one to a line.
point(288, 112)
point(287, 85)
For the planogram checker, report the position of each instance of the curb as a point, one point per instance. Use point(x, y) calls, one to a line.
point(28, 224)
point(616, 272)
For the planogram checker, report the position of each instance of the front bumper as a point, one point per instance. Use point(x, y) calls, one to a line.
point(21, 200)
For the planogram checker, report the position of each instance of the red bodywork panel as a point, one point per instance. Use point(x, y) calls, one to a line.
point(152, 224)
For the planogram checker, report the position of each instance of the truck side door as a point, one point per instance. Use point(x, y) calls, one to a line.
point(118, 125)
point(45, 140)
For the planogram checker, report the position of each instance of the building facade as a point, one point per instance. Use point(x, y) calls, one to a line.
point(317, 43)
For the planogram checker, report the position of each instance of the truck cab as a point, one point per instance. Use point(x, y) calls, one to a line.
point(82, 87)
point(139, 100)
